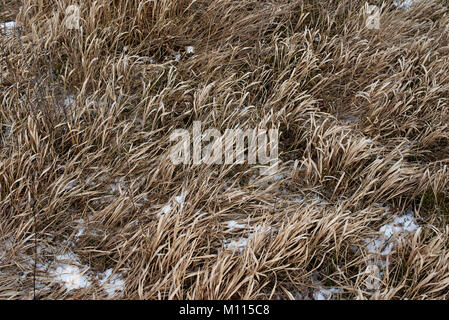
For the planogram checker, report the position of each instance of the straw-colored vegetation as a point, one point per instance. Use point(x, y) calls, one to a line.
point(86, 117)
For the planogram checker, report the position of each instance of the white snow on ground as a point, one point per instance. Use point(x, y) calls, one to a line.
point(349, 119)
point(242, 242)
point(322, 293)
point(326, 294)
point(68, 100)
point(178, 199)
point(380, 247)
point(67, 271)
point(319, 292)
point(71, 184)
point(190, 50)
point(238, 244)
point(80, 227)
point(244, 107)
point(390, 233)
point(5, 247)
point(118, 184)
point(112, 283)
point(278, 177)
point(232, 225)
point(166, 209)
point(7, 27)
point(404, 4)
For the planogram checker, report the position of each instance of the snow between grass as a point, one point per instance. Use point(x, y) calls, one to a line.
point(7, 27)
point(381, 247)
point(68, 273)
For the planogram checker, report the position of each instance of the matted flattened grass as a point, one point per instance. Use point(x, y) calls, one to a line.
point(87, 186)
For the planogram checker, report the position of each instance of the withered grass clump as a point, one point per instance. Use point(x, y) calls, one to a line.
point(86, 117)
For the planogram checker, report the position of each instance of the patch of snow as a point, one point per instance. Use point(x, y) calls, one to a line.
point(399, 226)
point(319, 201)
point(240, 243)
point(232, 225)
point(91, 181)
point(178, 199)
point(112, 283)
point(7, 244)
point(326, 294)
point(252, 179)
point(376, 246)
point(320, 292)
point(190, 50)
point(68, 272)
point(263, 229)
point(68, 100)
point(349, 119)
point(71, 184)
point(79, 227)
point(404, 4)
point(118, 184)
point(244, 107)
point(374, 277)
point(391, 232)
point(7, 27)
point(379, 248)
point(166, 209)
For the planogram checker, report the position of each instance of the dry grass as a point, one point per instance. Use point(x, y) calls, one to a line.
point(363, 117)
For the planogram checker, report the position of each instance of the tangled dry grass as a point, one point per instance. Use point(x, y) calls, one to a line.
point(85, 173)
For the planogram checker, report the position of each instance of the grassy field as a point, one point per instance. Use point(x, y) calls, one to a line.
point(91, 207)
